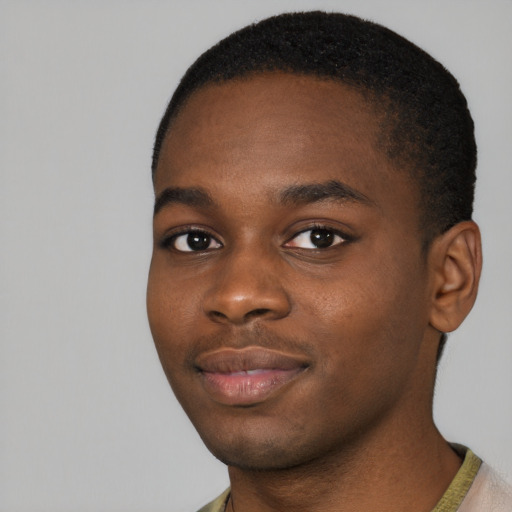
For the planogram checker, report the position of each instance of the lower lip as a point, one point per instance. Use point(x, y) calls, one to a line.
point(246, 388)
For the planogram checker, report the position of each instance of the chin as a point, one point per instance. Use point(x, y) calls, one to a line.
point(262, 450)
point(255, 458)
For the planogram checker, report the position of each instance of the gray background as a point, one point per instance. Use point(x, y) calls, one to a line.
point(88, 421)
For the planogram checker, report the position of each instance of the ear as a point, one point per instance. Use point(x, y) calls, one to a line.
point(456, 262)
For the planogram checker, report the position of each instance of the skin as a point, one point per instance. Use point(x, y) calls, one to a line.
point(353, 429)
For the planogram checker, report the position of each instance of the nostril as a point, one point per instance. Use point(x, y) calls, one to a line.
point(257, 312)
point(217, 314)
point(239, 302)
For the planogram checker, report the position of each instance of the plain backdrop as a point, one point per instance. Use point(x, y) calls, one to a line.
point(88, 420)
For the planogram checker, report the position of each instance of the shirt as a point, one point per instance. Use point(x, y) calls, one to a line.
point(475, 488)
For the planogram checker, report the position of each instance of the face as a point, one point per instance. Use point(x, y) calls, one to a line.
point(288, 292)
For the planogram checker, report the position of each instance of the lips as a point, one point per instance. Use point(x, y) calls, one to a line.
point(247, 376)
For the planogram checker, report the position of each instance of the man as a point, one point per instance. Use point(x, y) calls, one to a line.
point(313, 243)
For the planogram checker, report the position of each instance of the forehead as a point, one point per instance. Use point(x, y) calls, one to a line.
point(277, 129)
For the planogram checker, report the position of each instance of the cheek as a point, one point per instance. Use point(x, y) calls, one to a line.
point(170, 317)
point(371, 316)
point(171, 308)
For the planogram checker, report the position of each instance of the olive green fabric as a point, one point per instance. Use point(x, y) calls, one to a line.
point(456, 492)
point(450, 501)
point(218, 504)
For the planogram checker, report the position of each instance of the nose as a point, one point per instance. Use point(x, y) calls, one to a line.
point(246, 287)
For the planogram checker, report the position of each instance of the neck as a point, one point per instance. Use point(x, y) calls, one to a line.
point(388, 473)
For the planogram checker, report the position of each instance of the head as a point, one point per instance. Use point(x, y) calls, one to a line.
point(427, 129)
point(314, 178)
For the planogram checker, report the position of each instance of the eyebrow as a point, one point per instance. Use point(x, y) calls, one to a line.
point(295, 194)
point(313, 192)
point(189, 196)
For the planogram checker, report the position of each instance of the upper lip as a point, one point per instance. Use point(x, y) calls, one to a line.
point(230, 360)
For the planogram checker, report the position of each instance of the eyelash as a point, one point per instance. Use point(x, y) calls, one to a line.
point(344, 238)
point(170, 241)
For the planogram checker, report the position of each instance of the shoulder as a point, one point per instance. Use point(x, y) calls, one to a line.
point(218, 504)
point(489, 492)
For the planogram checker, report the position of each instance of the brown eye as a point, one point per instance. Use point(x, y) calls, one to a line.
point(316, 238)
point(194, 241)
point(322, 238)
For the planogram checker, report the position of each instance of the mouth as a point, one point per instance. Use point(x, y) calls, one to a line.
point(244, 377)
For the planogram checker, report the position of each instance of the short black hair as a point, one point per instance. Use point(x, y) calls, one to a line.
point(426, 126)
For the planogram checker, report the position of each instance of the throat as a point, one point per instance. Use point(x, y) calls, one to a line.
point(373, 481)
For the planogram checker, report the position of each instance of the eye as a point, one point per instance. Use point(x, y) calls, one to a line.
point(316, 238)
point(194, 241)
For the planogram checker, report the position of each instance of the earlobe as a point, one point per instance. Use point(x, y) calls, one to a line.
point(456, 263)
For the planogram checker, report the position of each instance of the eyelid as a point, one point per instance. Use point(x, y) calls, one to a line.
point(344, 238)
point(168, 241)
